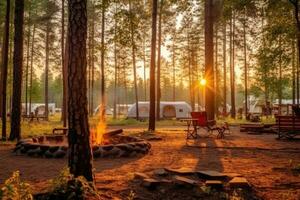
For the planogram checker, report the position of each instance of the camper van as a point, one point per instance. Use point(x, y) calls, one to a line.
point(168, 110)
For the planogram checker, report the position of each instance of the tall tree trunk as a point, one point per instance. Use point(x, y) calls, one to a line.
point(93, 62)
point(217, 87)
point(116, 64)
point(31, 67)
point(144, 63)
point(296, 15)
point(46, 99)
point(209, 61)
point(103, 102)
point(265, 72)
point(27, 60)
point(232, 59)
point(159, 61)
point(89, 82)
point(15, 130)
point(297, 77)
point(245, 65)
point(190, 73)
point(280, 75)
point(174, 70)
point(4, 69)
point(80, 156)
point(64, 66)
point(293, 73)
point(133, 61)
point(224, 71)
point(152, 68)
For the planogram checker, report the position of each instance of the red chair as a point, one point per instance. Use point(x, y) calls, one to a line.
point(208, 125)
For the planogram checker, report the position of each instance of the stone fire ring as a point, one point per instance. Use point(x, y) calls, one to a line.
point(53, 147)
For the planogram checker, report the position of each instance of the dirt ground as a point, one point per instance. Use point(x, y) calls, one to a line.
point(262, 159)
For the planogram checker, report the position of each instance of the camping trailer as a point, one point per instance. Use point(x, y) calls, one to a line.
point(168, 110)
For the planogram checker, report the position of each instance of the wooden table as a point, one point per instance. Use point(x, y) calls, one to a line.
point(191, 132)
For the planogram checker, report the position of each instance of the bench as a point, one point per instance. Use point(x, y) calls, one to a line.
point(287, 126)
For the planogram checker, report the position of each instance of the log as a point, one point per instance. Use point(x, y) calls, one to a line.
point(112, 133)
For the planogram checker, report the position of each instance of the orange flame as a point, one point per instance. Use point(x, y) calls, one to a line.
point(98, 132)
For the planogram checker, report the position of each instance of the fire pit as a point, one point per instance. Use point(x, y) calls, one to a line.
point(56, 146)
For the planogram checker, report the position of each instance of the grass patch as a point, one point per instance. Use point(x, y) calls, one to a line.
point(31, 129)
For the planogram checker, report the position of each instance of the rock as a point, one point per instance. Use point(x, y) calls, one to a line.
point(183, 171)
point(107, 147)
point(97, 153)
point(211, 175)
point(124, 147)
point(59, 154)
point(160, 172)
point(48, 154)
point(184, 181)
point(214, 184)
point(232, 175)
point(95, 148)
point(53, 149)
point(139, 175)
point(154, 138)
point(64, 148)
point(150, 183)
point(23, 149)
point(239, 182)
point(44, 147)
point(33, 152)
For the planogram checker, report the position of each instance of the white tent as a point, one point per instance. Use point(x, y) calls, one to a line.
point(168, 109)
point(108, 110)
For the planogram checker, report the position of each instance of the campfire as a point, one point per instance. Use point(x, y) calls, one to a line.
point(97, 133)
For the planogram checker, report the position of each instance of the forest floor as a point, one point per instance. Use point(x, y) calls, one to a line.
point(265, 162)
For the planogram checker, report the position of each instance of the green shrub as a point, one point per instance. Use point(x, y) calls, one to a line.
point(66, 186)
point(15, 189)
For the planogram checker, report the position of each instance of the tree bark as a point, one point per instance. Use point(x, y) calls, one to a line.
point(4, 69)
point(152, 68)
point(93, 62)
point(47, 71)
point(133, 61)
point(31, 67)
point(224, 71)
point(116, 65)
point(159, 61)
point(296, 15)
point(27, 61)
point(63, 66)
point(174, 69)
point(232, 59)
point(217, 87)
point(280, 75)
point(245, 65)
point(144, 63)
point(80, 155)
point(103, 102)
point(15, 130)
point(293, 73)
point(209, 61)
